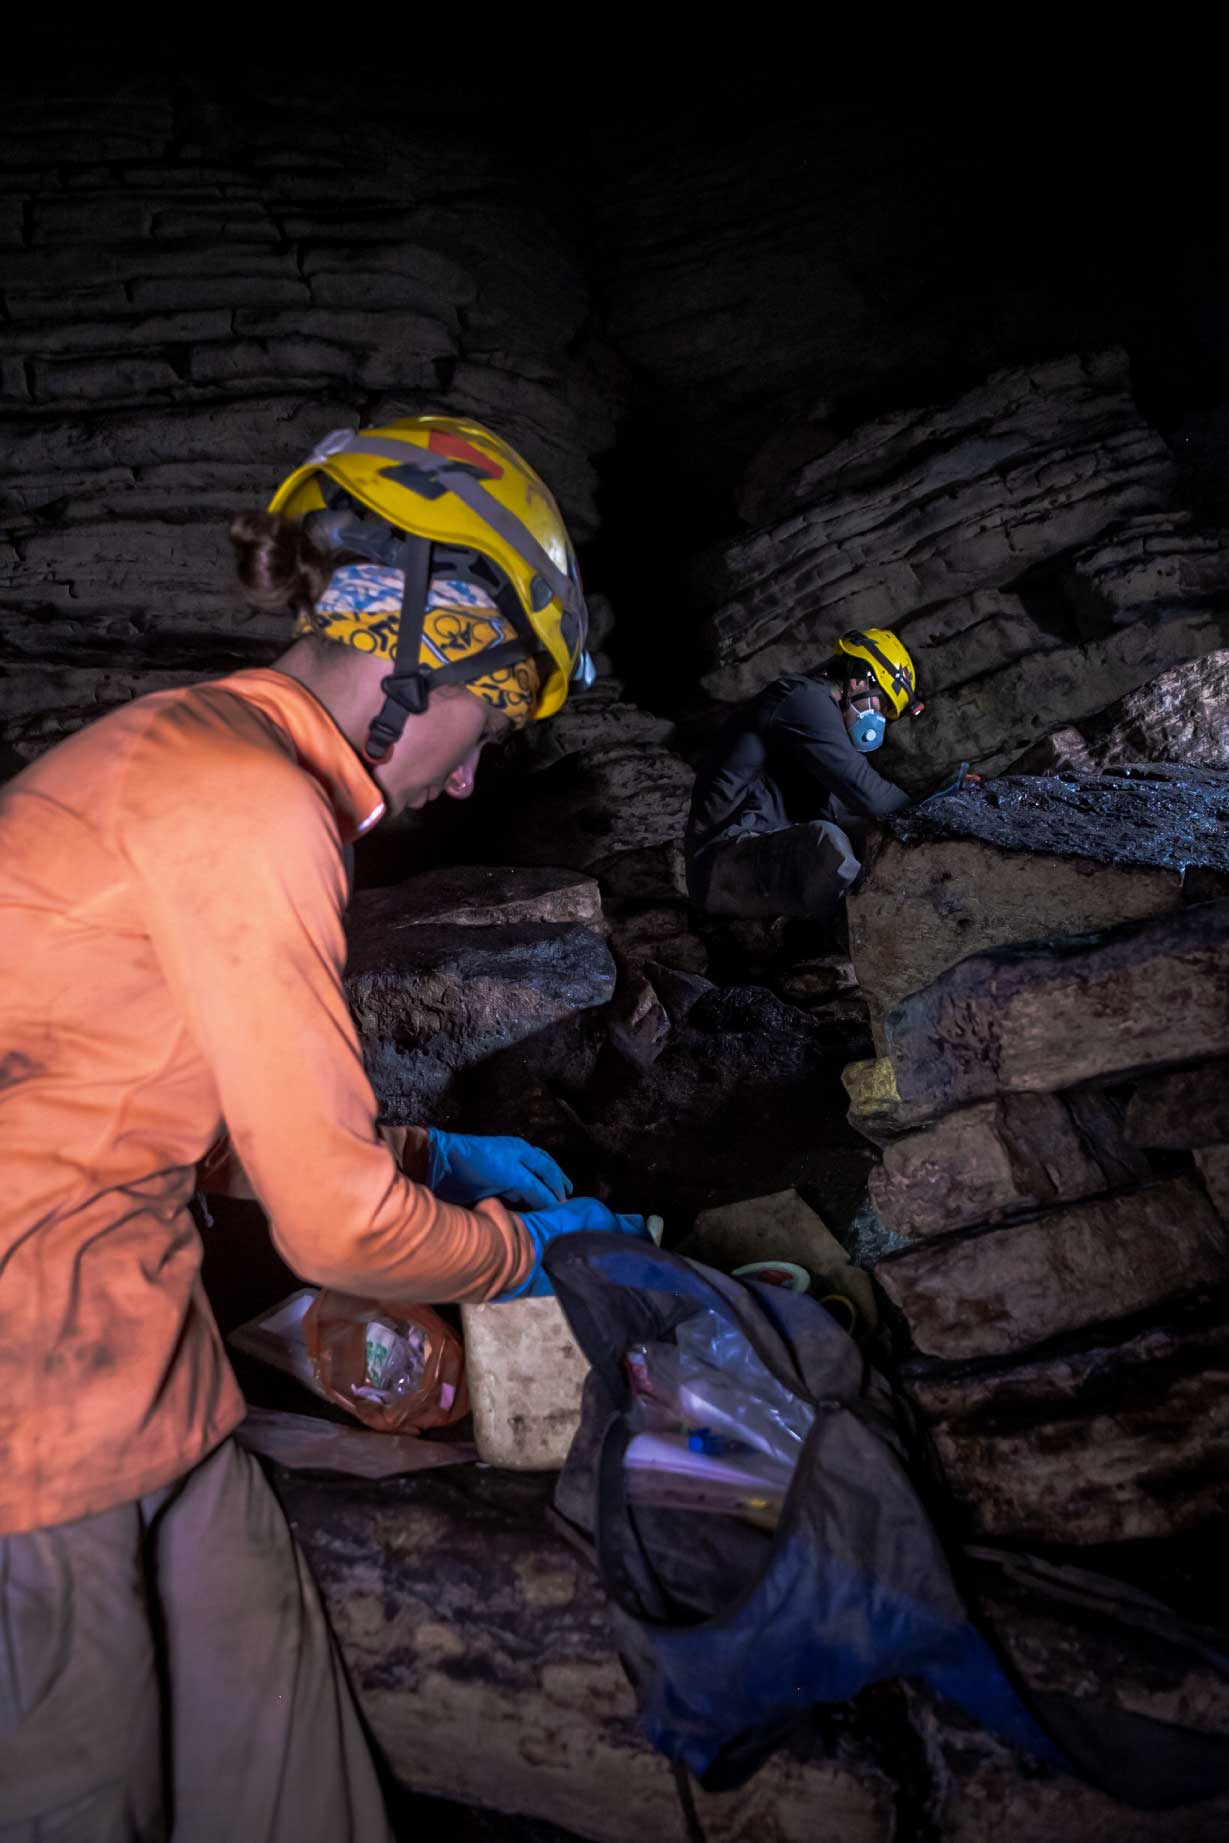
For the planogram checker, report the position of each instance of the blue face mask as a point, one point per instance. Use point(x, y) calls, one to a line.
point(868, 731)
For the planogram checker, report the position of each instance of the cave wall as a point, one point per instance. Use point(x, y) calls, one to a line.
point(773, 259)
point(203, 275)
point(201, 271)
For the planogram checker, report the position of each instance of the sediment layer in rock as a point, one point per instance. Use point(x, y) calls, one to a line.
point(923, 507)
point(1140, 997)
point(469, 896)
point(1026, 859)
point(995, 1291)
point(1113, 1443)
point(1003, 1157)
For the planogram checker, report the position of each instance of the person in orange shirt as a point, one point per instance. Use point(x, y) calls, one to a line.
point(172, 885)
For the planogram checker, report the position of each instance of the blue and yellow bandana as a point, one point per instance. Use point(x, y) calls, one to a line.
point(362, 608)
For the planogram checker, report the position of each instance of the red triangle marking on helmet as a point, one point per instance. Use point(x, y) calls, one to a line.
point(456, 448)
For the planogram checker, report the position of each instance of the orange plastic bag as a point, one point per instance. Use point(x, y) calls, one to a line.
point(398, 1368)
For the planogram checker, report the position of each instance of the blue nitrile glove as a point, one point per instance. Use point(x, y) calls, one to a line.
point(546, 1225)
point(955, 783)
point(464, 1169)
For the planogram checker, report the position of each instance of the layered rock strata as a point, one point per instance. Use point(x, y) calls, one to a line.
point(1023, 543)
point(1053, 1125)
point(198, 283)
point(1029, 858)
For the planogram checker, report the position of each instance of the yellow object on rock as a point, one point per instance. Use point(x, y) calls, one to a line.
point(871, 1086)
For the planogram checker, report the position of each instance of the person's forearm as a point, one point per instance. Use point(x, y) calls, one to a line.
point(221, 1173)
point(411, 1247)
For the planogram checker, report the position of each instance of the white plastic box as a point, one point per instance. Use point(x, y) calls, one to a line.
point(526, 1373)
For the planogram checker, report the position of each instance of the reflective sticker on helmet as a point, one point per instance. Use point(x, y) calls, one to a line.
point(456, 448)
point(329, 445)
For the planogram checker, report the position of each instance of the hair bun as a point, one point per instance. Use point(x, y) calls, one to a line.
point(279, 565)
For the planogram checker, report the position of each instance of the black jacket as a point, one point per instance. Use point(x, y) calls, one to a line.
point(784, 758)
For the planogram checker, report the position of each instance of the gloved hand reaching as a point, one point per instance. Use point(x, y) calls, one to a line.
point(545, 1226)
point(465, 1169)
point(956, 782)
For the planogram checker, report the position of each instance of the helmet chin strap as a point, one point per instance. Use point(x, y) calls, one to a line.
point(406, 688)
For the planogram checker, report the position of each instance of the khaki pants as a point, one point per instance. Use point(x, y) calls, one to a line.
point(166, 1670)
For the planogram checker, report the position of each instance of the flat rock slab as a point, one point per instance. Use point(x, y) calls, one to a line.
point(1111, 1444)
point(1004, 1156)
point(1156, 823)
point(1001, 1290)
point(478, 1643)
point(1092, 1009)
point(1026, 858)
point(471, 896)
point(433, 1001)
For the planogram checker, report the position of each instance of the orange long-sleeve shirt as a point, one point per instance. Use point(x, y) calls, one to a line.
point(171, 951)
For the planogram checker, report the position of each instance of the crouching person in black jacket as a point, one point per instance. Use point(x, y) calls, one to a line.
point(778, 816)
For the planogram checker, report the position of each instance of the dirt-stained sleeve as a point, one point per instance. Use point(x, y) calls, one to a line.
point(242, 891)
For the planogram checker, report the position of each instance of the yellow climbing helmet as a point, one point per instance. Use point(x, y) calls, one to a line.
point(438, 494)
point(889, 662)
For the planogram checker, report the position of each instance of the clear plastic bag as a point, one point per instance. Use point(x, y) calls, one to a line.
point(398, 1368)
point(710, 1378)
point(667, 1470)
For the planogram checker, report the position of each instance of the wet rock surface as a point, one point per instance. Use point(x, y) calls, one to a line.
point(1153, 822)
